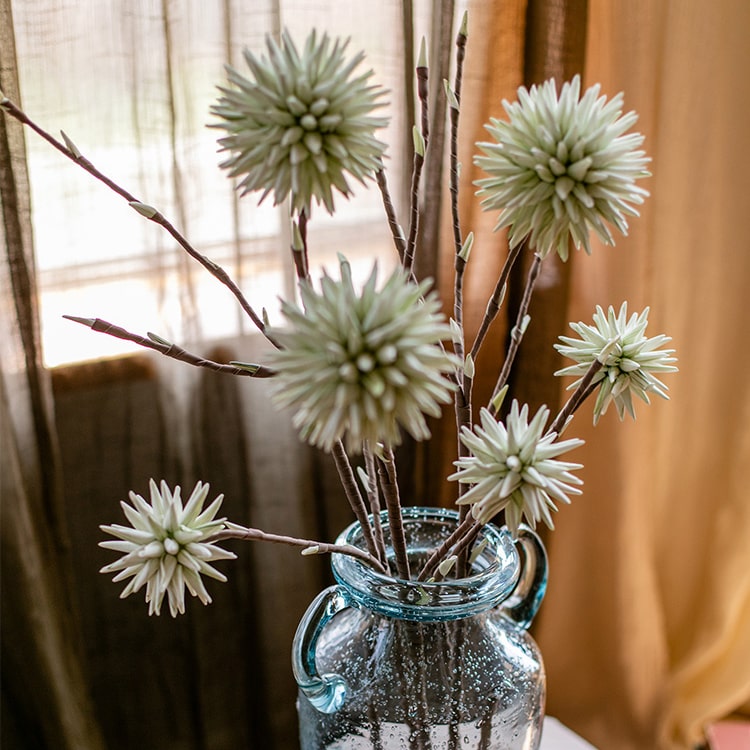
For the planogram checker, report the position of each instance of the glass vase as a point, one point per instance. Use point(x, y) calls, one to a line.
point(384, 663)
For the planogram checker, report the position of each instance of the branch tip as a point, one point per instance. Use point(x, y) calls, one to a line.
point(464, 30)
point(422, 60)
point(249, 366)
point(158, 339)
point(89, 322)
point(419, 144)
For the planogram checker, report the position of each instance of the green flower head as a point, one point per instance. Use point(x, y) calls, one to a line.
point(302, 123)
point(166, 547)
point(359, 366)
point(631, 363)
point(562, 166)
point(513, 467)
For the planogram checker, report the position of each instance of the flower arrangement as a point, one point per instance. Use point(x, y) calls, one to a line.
point(362, 366)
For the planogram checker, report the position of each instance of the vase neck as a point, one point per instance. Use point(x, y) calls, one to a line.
point(492, 576)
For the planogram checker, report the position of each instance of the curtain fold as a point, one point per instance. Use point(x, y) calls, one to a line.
point(45, 699)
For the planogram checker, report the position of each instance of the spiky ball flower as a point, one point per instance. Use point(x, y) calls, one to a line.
point(513, 467)
point(165, 548)
point(562, 166)
point(301, 123)
point(357, 365)
point(631, 365)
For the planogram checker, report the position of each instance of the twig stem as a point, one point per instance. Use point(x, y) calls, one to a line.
point(387, 475)
point(353, 495)
point(584, 389)
point(422, 92)
point(463, 394)
point(460, 263)
point(493, 305)
point(516, 334)
point(390, 212)
point(171, 350)
point(320, 548)
point(374, 501)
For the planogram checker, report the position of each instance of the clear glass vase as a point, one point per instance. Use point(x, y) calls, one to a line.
point(385, 663)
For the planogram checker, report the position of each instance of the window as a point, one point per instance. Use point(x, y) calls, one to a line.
point(131, 85)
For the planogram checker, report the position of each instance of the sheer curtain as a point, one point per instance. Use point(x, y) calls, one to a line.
point(130, 84)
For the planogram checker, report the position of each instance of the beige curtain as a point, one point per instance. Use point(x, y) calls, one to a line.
point(82, 669)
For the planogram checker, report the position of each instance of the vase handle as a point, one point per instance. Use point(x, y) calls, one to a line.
point(523, 603)
point(326, 692)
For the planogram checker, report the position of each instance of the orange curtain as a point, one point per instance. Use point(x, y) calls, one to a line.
point(646, 627)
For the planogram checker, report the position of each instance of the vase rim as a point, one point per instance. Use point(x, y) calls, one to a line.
point(497, 570)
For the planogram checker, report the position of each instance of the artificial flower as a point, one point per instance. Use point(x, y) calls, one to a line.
point(166, 547)
point(562, 166)
point(629, 367)
point(513, 467)
point(356, 365)
point(301, 123)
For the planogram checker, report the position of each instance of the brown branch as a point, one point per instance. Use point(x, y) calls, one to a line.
point(463, 406)
point(422, 92)
point(310, 546)
point(390, 212)
point(374, 501)
point(493, 305)
point(517, 332)
point(152, 341)
point(389, 485)
point(584, 389)
point(68, 149)
point(454, 107)
point(353, 495)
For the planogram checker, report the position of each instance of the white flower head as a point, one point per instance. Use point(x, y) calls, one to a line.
point(165, 546)
point(513, 467)
point(562, 166)
point(630, 362)
point(357, 365)
point(301, 123)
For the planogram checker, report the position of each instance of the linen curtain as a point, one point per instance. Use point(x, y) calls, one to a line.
point(645, 627)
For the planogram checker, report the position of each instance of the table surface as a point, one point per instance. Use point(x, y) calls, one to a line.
point(556, 736)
